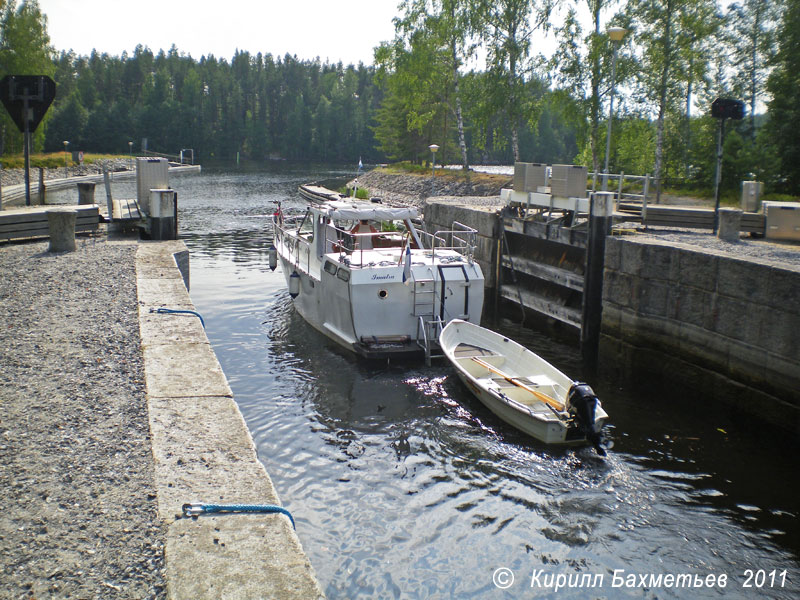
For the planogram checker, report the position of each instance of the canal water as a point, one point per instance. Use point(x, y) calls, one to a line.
point(404, 486)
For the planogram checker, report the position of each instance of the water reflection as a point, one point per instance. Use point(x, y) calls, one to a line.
point(404, 485)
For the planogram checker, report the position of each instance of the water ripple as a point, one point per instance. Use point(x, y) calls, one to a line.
point(404, 486)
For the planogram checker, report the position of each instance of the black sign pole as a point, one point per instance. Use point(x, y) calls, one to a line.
point(27, 142)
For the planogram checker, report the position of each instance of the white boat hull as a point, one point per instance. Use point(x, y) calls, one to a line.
point(506, 377)
point(372, 301)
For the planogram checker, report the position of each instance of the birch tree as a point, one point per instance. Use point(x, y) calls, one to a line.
point(582, 66)
point(508, 28)
point(450, 27)
point(753, 39)
point(664, 30)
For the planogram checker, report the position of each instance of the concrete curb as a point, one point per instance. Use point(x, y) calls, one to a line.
point(203, 452)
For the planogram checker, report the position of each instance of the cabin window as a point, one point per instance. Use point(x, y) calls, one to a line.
point(383, 294)
point(343, 274)
point(330, 268)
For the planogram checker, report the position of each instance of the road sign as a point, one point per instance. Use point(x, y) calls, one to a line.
point(27, 98)
point(727, 108)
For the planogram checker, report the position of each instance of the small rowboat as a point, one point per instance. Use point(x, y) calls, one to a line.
point(522, 388)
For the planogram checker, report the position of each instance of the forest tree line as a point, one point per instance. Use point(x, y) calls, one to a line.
point(468, 75)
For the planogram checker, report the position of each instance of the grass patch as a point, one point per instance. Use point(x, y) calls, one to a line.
point(54, 160)
point(361, 193)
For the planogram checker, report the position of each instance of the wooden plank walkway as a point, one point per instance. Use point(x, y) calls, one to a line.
point(31, 221)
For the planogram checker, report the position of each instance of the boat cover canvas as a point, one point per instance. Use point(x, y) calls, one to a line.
point(366, 210)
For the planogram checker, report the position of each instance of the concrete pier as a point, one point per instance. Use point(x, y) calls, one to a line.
point(204, 453)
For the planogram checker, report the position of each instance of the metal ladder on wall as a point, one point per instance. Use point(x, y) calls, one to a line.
point(429, 325)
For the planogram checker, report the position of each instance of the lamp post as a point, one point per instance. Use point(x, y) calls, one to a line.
point(66, 172)
point(433, 148)
point(615, 34)
point(130, 153)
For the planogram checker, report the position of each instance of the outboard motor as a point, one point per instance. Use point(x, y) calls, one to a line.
point(581, 405)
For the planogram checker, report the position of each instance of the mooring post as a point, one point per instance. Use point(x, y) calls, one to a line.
point(600, 215)
point(61, 226)
point(42, 190)
point(86, 192)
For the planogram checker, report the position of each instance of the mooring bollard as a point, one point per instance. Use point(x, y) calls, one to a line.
point(162, 214)
point(86, 192)
point(61, 223)
point(730, 224)
point(600, 216)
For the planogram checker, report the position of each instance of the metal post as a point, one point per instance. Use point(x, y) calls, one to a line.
point(600, 215)
point(42, 190)
point(718, 176)
point(610, 112)
point(27, 142)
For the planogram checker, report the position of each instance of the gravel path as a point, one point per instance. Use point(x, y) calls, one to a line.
point(79, 513)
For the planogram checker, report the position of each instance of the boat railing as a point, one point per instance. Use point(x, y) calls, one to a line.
point(461, 238)
point(347, 242)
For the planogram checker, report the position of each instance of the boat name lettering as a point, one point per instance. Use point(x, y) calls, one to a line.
point(377, 277)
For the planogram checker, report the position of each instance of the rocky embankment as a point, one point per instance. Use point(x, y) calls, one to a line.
point(413, 190)
point(17, 176)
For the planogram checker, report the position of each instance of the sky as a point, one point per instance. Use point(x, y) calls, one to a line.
point(333, 30)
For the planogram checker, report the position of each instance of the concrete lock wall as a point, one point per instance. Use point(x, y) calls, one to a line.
point(723, 327)
point(439, 216)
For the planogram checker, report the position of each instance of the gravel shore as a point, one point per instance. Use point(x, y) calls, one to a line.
point(17, 176)
point(79, 513)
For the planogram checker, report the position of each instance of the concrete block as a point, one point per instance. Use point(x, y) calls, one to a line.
point(182, 260)
point(746, 363)
point(744, 279)
point(204, 453)
point(163, 292)
point(237, 557)
point(157, 328)
point(183, 370)
point(780, 333)
point(730, 224)
point(657, 262)
point(613, 253)
point(783, 374)
point(61, 225)
point(693, 305)
point(653, 298)
point(783, 286)
point(632, 257)
point(611, 318)
point(698, 269)
point(618, 289)
point(702, 348)
point(738, 320)
point(440, 216)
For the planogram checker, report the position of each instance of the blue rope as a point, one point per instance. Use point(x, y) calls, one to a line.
point(181, 312)
point(197, 508)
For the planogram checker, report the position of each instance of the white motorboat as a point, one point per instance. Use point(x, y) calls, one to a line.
point(367, 277)
point(522, 388)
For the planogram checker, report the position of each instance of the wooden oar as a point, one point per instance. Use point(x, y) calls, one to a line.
point(539, 395)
